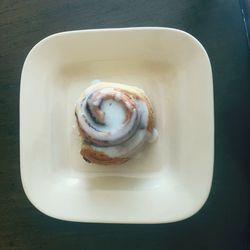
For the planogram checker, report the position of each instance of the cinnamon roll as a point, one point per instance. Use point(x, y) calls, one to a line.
point(114, 121)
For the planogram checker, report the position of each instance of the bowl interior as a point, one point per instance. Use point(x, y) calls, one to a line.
point(174, 173)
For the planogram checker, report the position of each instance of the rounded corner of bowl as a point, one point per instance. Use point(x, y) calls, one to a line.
point(35, 204)
point(197, 208)
point(39, 44)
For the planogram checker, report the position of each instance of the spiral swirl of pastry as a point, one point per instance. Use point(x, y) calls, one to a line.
point(114, 121)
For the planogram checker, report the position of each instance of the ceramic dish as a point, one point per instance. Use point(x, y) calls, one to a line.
point(171, 179)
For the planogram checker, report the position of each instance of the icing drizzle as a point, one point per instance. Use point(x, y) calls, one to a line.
point(114, 120)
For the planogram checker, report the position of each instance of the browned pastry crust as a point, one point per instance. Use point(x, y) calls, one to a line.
point(91, 155)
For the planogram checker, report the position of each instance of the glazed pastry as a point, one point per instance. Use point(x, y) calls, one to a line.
point(114, 121)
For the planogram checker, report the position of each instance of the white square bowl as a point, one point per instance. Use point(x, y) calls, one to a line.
point(173, 178)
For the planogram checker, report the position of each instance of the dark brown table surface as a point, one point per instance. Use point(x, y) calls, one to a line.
point(223, 222)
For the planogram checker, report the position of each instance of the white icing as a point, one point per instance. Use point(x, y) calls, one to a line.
point(95, 82)
point(104, 133)
point(142, 107)
point(154, 136)
point(118, 96)
point(122, 137)
point(128, 148)
point(114, 114)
